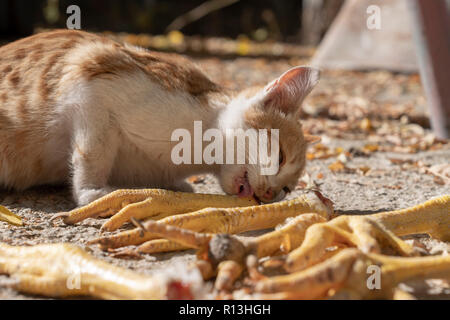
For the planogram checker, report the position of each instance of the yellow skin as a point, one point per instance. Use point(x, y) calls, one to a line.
point(215, 220)
point(346, 274)
point(313, 235)
point(228, 265)
point(369, 234)
point(343, 272)
point(122, 205)
point(374, 233)
point(64, 270)
point(152, 204)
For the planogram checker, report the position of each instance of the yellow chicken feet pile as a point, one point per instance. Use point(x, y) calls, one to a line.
point(315, 256)
point(64, 270)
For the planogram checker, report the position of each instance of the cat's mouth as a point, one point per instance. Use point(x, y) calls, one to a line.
point(244, 187)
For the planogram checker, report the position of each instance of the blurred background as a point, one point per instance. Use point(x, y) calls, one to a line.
point(257, 19)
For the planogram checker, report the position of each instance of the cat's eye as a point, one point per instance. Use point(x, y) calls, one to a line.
point(281, 158)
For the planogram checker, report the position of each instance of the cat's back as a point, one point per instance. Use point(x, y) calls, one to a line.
point(31, 70)
point(36, 70)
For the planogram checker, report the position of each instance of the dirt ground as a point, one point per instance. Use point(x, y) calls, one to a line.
point(374, 156)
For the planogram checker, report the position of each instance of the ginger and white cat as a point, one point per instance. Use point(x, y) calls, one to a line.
point(79, 108)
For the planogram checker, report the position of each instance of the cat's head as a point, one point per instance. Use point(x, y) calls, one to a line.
point(276, 106)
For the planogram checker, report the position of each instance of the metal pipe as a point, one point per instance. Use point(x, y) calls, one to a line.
point(431, 26)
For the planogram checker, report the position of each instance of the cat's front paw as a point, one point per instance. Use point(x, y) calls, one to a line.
point(86, 196)
point(182, 186)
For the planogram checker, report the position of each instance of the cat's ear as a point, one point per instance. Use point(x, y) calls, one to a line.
point(310, 139)
point(288, 91)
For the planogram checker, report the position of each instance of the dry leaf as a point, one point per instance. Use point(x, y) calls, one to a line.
point(363, 170)
point(393, 187)
point(176, 37)
point(243, 46)
point(301, 185)
point(337, 166)
point(320, 151)
point(369, 148)
point(441, 173)
point(306, 182)
point(9, 217)
point(366, 125)
point(401, 161)
point(342, 158)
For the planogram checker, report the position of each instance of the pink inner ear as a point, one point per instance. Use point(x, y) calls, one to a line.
point(293, 75)
point(272, 85)
point(288, 91)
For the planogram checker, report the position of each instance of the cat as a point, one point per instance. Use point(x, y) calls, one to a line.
point(82, 109)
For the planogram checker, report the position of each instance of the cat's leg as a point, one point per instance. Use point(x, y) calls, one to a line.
point(95, 143)
point(181, 186)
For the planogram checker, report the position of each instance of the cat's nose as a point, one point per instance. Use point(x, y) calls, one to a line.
point(269, 194)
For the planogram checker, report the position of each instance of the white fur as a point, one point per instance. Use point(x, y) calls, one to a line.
point(123, 127)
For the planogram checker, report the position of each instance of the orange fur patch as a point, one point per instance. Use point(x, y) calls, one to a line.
point(14, 79)
point(22, 111)
point(3, 97)
point(6, 70)
point(291, 137)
